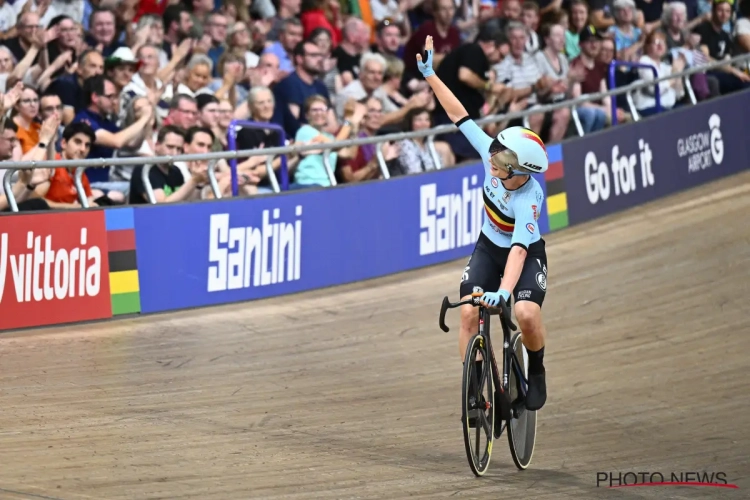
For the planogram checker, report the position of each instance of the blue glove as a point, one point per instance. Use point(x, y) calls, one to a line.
point(492, 299)
point(425, 67)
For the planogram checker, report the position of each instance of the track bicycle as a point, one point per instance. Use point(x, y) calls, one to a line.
point(486, 413)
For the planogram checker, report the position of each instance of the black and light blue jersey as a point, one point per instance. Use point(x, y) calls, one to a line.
point(511, 215)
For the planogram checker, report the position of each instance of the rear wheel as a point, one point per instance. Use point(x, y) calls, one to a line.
point(522, 425)
point(478, 416)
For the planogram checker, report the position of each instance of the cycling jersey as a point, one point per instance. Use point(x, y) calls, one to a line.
point(511, 214)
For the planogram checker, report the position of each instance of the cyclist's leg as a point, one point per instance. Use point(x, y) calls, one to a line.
point(529, 296)
point(481, 273)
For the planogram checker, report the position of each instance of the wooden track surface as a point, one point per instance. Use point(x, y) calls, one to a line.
point(354, 392)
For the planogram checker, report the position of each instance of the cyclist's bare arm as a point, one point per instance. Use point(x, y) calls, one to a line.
point(452, 106)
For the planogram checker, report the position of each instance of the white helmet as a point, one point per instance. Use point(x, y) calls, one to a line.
point(527, 147)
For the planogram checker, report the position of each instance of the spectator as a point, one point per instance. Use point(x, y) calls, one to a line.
point(601, 14)
point(26, 182)
point(77, 141)
point(240, 43)
point(154, 28)
point(183, 112)
point(289, 39)
point(216, 27)
point(530, 18)
point(198, 77)
point(146, 83)
point(363, 164)
point(593, 80)
point(100, 98)
point(413, 157)
point(579, 14)
point(50, 104)
point(7, 18)
point(388, 39)
point(26, 112)
point(232, 70)
point(464, 71)
point(69, 39)
point(70, 87)
point(177, 27)
point(29, 30)
point(208, 117)
point(120, 67)
point(288, 9)
point(522, 74)
point(355, 39)
point(742, 29)
point(718, 45)
point(674, 22)
point(293, 91)
point(261, 105)
point(226, 115)
point(167, 181)
point(627, 36)
point(322, 14)
point(322, 38)
point(371, 72)
point(102, 34)
point(311, 170)
point(671, 91)
point(445, 36)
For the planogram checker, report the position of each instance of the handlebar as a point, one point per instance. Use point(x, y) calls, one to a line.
point(503, 311)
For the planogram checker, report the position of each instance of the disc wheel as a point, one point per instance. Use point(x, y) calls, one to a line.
point(522, 425)
point(478, 416)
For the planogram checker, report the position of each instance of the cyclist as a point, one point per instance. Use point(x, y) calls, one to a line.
point(510, 253)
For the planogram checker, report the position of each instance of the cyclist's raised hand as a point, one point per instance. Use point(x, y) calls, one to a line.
point(426, 67)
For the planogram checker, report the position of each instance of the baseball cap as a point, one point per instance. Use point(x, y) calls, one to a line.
point(589, 33)
point(123, 55)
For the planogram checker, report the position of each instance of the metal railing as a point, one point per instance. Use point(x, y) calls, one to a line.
point(234, 125)
point(398, 136)
point(631, 65)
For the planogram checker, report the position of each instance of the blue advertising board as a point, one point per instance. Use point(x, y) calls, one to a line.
point(633, 164)
point(226, 251)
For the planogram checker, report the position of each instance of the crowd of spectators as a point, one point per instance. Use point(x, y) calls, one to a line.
point(105, 79)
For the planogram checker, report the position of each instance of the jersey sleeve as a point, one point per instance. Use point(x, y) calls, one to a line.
point(527, 209)
point(476, 136)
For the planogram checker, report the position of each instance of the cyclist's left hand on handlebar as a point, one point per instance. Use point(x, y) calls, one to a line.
point(492, 299)
point(425, 67)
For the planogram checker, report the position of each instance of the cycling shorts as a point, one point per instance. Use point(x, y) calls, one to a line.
point(486, 266)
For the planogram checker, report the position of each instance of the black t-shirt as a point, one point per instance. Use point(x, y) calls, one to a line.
point(14, 45)
point(346, 61)
point(253, 138)
point(70, 93)
point(470, 56)
point(169, 182)
point(719, 43)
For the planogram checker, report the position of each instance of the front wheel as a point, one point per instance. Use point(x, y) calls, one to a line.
point(478, 415)
point(522, 425)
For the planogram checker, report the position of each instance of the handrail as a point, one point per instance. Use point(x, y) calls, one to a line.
point(232, 144)
point(657, 92)
point(397, 136)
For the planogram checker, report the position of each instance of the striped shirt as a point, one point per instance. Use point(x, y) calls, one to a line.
point(519, 74)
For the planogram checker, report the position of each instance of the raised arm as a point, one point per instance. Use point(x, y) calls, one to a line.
point(450, 102)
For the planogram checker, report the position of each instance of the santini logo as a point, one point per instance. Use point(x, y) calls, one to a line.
point(450, 220)
point(46, 274)
point(241, 257)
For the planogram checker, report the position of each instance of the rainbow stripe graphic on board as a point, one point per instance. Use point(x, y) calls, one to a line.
point(123, 269)
point(557, 199)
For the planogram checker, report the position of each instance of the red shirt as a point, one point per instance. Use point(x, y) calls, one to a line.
point(442, 45)
point(594, 76)
point(316, 18)
point(62, 188)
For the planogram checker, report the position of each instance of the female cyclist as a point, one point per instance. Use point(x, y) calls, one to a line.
point(509, 254)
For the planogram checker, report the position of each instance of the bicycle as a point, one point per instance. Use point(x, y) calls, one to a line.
point(506, 402)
